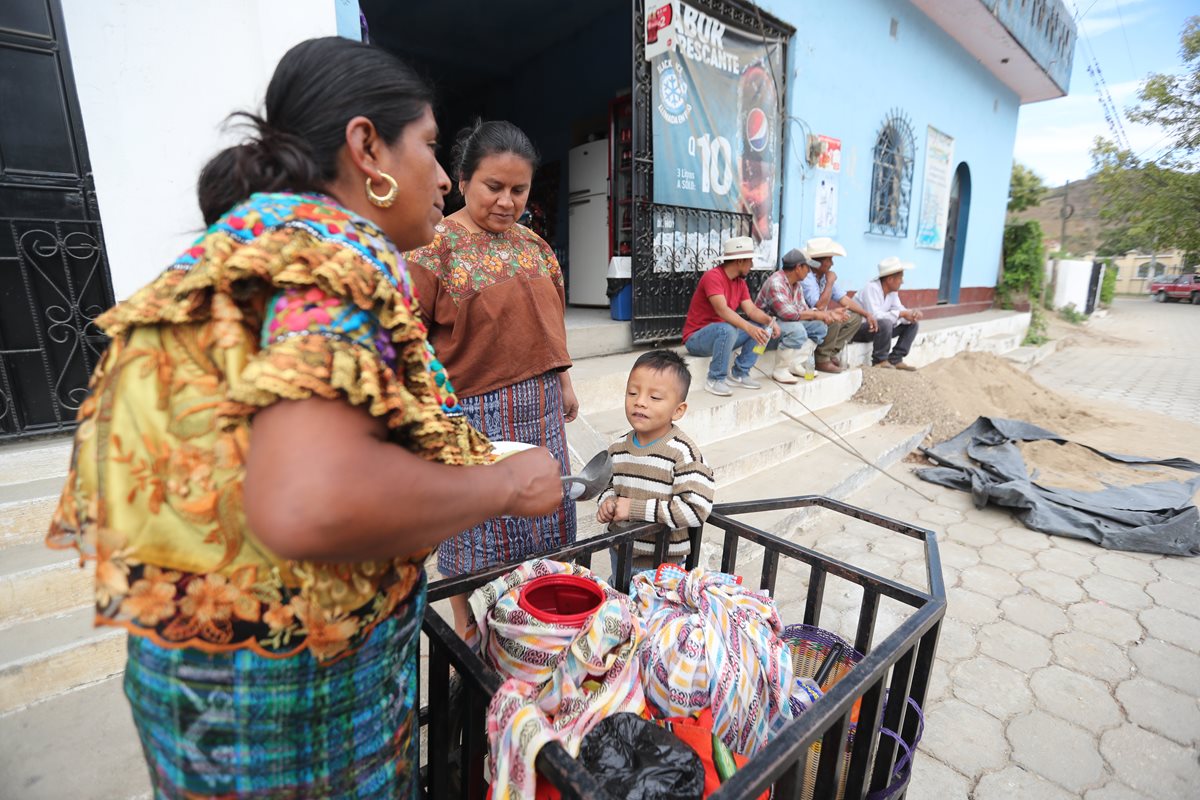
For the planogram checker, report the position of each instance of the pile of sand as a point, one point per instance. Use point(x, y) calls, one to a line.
point(1070, 466)
point(949, 395)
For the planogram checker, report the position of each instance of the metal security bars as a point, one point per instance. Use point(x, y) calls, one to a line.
point(891, 177)
point(53, 284)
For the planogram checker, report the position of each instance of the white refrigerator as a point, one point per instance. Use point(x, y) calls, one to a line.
point(587, 218)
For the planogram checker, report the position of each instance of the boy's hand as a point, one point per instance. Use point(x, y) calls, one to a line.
point(622, 507)
point(604, 514)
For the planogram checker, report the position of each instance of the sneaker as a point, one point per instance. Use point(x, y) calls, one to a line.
point(719, 388)
point(745, 382)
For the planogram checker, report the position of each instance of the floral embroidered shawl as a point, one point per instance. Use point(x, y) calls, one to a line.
point(285, 297)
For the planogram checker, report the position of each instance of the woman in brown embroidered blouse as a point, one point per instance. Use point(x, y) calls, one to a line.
point(491, 292)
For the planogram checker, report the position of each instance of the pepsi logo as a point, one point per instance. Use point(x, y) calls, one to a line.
point(758, 130)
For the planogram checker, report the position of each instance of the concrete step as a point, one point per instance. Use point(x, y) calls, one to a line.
point(29, 461)
point(25, 510)
point(1000, 343)
point(828, 471)
point(1028, 356)
point(600, 382)
point(710, 418)
point(593, 332)
point(989, 331)
point(743, 455)
point(80, 744)
point(37, 582)
point(47, 657)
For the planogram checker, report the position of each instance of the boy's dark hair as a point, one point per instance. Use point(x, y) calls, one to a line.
point(670, 362)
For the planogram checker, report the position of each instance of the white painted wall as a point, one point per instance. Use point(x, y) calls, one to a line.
point(155, 80)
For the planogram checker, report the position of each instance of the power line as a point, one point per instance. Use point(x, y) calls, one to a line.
point(1124, 33)
point(1111, 115)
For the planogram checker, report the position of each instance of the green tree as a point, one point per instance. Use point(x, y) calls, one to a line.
point(1172, 102)
point(1025, 190)
point(1157, 202)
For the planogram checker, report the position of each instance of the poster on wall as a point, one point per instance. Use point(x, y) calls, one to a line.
point(935, 196)
point(718, 124)
point(829, 153)
point(825, 221)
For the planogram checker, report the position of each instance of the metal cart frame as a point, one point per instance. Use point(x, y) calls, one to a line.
point(897, 668)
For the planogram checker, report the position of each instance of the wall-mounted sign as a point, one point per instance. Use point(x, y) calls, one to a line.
point(661, 16)
point(935, 195)
point(829, 153)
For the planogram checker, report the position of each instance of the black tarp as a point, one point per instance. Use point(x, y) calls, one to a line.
point(984, 459)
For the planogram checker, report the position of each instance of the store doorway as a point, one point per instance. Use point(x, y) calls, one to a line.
point(561, 72)
point(54, 278)
point(956, 235)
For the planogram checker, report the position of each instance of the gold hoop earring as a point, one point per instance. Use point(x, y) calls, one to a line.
point(383, 201)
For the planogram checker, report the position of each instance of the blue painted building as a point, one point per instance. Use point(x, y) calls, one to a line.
point(963, 67)
point(874, 83)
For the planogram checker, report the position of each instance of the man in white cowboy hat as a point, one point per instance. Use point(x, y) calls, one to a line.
point(713, 327)
point(881, 297)
point(823, 292)
point(802, 328)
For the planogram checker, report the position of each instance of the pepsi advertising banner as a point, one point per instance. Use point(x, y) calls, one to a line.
point(718, 124)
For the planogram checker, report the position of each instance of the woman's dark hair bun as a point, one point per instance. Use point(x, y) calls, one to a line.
point(318, 87)
point(481, 139)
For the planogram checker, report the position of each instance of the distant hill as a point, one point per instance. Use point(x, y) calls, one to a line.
point(1084, 227)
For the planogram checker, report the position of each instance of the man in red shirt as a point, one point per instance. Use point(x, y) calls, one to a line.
point(713, 326)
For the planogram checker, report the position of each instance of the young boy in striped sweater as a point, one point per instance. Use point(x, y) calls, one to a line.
point(659, 474)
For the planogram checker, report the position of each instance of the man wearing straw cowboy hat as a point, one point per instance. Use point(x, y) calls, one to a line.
point(822, 291)
point(881, 297)
point(713, 327)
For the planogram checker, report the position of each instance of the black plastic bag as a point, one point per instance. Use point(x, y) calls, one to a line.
point(639, 760)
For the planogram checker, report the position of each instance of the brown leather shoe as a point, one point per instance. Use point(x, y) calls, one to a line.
point(905, 367)
point(884, 365)
point(828, 366)
point(836, 361)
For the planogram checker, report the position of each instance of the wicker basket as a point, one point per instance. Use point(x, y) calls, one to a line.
point(810, 646)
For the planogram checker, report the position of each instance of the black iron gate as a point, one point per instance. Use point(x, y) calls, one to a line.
point(672, 245)
point(54, 278)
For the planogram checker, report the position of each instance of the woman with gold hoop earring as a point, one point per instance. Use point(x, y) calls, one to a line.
point(491, 291)
point(271, 449)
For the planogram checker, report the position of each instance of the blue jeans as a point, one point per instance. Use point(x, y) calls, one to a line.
point(719, 340)
point(797, 332)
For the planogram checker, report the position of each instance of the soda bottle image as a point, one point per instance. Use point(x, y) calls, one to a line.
point(758, 115)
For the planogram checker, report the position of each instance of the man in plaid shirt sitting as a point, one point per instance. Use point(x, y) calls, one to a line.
point(802, 327)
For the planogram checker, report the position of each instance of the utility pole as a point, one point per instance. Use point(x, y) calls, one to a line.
point(1065, 213)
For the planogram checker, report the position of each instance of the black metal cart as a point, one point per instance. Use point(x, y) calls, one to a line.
point(896, 669)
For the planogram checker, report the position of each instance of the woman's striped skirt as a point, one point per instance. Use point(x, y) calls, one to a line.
point(242, 725)
point(532, 412)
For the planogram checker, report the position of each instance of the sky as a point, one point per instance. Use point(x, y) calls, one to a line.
point(1130, 39)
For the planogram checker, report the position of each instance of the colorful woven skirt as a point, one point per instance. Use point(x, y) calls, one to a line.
point(241, 725)
point(532, 412)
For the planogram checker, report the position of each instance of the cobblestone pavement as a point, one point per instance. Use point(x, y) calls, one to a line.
point(1063, 670)
point(1153, 368)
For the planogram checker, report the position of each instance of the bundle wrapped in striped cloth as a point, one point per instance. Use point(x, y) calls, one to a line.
point(712, 642)
point(563, 679)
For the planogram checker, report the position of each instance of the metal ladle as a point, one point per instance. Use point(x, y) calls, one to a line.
point(591, 480)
